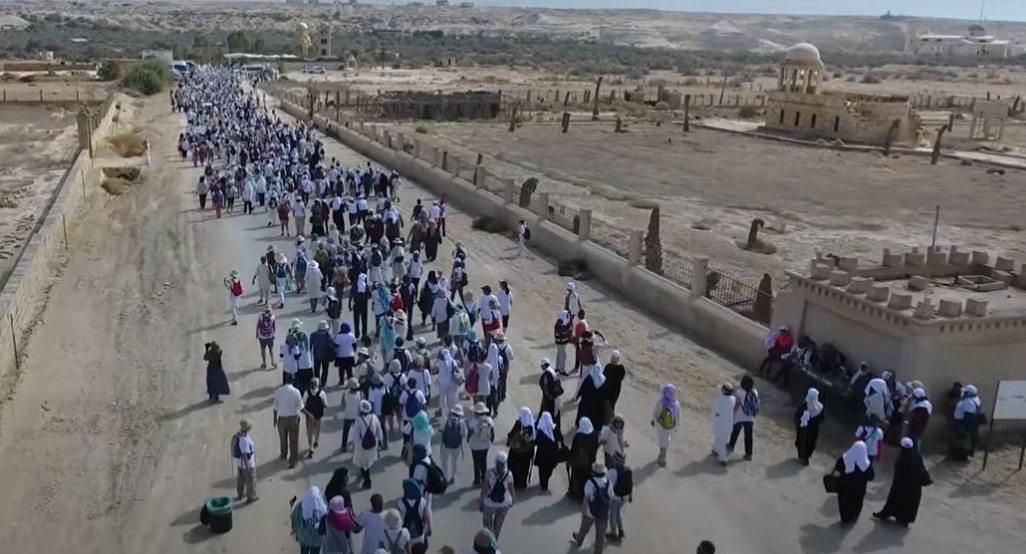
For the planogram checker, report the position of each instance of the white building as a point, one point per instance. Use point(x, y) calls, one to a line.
point(976, 44)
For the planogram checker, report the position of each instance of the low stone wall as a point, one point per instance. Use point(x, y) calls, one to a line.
point(719, 328)
point(23, 297)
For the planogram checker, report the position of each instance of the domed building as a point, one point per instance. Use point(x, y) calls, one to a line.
point(800, 107)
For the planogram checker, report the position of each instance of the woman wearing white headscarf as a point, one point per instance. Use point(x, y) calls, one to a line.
point(548, 443)
point(877, 399)
point(447, 381)
point(306, 520)
point(520, 442)
point(965, 432)
point(807, 419)
point(594, 404)
point(910, 476)
point(314, 279)
point(918, 415)
point(583, 451)
point(854, 471)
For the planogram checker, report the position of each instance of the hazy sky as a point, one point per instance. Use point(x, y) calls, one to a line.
point(1014, 10)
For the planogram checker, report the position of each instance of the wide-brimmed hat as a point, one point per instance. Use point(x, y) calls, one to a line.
point(421, 341)
point(392, 518)
point(352, 383)
point(457, 410)
point(480, 408)
point(296, 324)
point(362, 351)
point(280, 258)
point(365, 406)
point(234, 273)
point(498, 335)
point(245, 426)
point(323, 325)
point(598, 468)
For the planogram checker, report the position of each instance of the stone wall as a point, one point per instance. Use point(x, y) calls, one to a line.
point(686, 309)
point(24, 296)
point(851, 119)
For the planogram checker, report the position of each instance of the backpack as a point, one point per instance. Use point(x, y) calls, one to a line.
point(281, 272)
point(666, 418)
point(369, 441)
point(750, 407)
point(375, 258)
point(554, 388)
point(265, 326)
point(315, 405)
point(624, 486)
point(472, 376)
point(334, 308)
point(504, 359)
point(599, 505)
point(403, 356)
point(452, 437)
point(436, 481)
point(497, 493)
point(464, 280)
point(519, 442)
point(474, 352)
point(236, 449)
point(392, 544)
point(413, 406)
point(412, 520)
point(236, 288)
point(527, 233)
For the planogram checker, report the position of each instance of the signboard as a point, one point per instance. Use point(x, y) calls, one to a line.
point(1010, 402)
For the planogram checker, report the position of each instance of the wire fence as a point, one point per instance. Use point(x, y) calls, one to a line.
point(671, 265)
point(740, 296)
point(565, 216)
point(607, 235)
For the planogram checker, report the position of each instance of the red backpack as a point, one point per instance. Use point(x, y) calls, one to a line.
point(236, 288)
point(470, 385)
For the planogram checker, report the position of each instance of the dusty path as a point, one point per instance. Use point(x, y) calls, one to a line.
point(110, 441)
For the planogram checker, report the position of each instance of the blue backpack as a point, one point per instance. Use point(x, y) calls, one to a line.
point(413, 406)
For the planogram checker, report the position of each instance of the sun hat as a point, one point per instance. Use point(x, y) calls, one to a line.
point(245, 426)
point(352, 383)
point(457, 410)
point(480, 408)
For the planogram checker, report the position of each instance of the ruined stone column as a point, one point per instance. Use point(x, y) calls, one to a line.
point(699, 276)
point(509, 191)
point(637, 241)
point(543, 206)
point(584, 233)
point(566, 122)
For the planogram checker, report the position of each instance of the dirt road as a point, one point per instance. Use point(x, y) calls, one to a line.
point(109, 445)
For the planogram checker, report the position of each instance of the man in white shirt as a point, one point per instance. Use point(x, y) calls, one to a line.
point(596, 508)
point(288, 404)
point(245, 461)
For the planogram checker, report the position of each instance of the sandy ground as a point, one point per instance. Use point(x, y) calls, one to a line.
point(109, 439)
point(844, 203)
point(36, 147)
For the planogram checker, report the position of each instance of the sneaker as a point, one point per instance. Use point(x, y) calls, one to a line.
point(621, 536)
point(576, 539)
point(748, 457)
point(611, 536)
point(315, 444)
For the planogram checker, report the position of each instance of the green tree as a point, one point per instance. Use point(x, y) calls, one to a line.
point(238, 42)
point(109, 71)
point(148, 77)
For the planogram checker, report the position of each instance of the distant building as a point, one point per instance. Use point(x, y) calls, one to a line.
point(977, 44)
point(442, 3)
point(324, 40)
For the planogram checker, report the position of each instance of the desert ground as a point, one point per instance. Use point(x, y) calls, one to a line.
point(37, 145)
point(126, 470)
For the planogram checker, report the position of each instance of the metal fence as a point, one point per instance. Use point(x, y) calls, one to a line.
point(565, 216)
point(673, 266)
point(607, 235)
point(741, 296)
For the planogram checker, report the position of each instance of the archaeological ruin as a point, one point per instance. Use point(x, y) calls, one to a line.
point(471, 105)
point(801, 108)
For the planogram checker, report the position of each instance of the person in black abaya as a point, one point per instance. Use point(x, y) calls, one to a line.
point(521, 449)
point(339, 486)
point(593, 402)
point(615, 374)
point(217, 381)
point(551, 391)
point(807, 419)
point(583, 451)
point(854, 472)
point(910, 476)
point(548, 442)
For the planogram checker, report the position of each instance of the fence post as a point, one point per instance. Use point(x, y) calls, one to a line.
point(40, 96)
point(584, 231)
point(64, 224)
point(634, 253)
point(14, 342)
point(698, 276)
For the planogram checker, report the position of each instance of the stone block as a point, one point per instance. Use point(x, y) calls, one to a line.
point(976, 307)
point(1004, 264)
point(900, 301)
point(953, 249)
point(1003, 276)
point(918, 282)
point(958, 258)
point(915, 250)
point(924, 309)
point(980, 257)
point(937, 258)
point(950, 308)
point(859, 285)
point(839, 278)
point(821, 272)
point(878, 293)
point(851, 265)
point(893, 260)
point(915, 258)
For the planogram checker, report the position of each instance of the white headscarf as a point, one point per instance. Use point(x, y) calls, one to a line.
point(526, 417)
point(361, 283)
point(920, 401)
point(447, 360)
point(876, 385)
point(571, 287)
point(546, 426)
point(813, 407)
point(584, 427)
point(313, 505)
point(856, 456)
point(598, 378)
point(564, 317)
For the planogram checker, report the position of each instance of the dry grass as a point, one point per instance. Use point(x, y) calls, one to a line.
point(128, 145)
point(115, 186)
point(117, 180)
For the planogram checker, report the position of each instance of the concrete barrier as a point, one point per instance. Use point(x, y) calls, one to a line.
point(23, 297)
point(717, 327)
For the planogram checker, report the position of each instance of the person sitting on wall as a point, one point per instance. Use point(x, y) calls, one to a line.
point(778, 348)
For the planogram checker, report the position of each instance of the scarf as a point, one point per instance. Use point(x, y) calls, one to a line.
point(361, 283)
point(876, 385)
point(598, 378)
point(545, 426)
point(421, 423)
point(813, 407)
point(585, 427)
point(564, 317)
point(411, 490)
point(313, 505)
point(920, 401)
point(669, 401)
point(526, 418)
point(856, 456)
point(339, 517)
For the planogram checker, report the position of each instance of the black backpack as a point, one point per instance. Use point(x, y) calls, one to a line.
point(497, 493)
point(624, 483)
point(436, 481)
point(527, 233)
point(412, 521)
point(369, 441)
point(334, 308)
point(599, 505)
point(553, 387)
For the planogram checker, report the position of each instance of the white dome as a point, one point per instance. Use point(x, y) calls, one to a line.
point(803, 52)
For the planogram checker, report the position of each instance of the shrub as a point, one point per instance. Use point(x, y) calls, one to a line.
point(147, 77)
point(870, 79)
point(109, 71)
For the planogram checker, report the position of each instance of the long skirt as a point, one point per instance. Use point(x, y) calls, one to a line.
point(520, 467)
point(579, 475)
